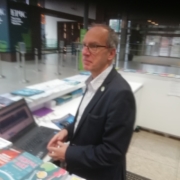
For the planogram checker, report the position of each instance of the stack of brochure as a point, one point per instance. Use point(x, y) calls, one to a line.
point(27, 92)
point(77, 93)
point(63, 99)
point(71, 82)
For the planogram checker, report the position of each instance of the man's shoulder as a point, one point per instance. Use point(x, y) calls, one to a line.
point(118, 83)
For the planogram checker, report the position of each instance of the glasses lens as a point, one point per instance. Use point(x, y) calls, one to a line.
point(92, 48)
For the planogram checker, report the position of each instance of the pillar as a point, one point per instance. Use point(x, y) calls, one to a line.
point(124, 23)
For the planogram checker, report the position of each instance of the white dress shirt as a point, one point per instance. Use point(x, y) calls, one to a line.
point(92, 86)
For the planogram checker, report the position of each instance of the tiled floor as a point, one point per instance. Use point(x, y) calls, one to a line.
point(149, 155)
point(154, 156)
point(49, 70)
point(14, 74)
point(178, 176)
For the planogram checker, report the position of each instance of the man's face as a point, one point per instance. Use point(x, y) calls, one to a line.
point(96, 59)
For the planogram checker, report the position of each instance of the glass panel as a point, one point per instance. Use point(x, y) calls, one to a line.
point(165, 46)
point(115, 24)
point(175, 48)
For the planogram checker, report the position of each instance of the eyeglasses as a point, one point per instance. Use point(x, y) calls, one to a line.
point(92, 47)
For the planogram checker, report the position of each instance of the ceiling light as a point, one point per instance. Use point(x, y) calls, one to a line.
point(149, 21)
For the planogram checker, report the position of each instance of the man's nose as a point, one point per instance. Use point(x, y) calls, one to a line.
point(85, 51)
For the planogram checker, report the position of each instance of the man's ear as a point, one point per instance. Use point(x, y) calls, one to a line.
point(112, 53)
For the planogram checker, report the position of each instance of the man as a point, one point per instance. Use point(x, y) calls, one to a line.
point(100, 136)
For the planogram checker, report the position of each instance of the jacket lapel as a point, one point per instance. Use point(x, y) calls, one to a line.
point(101, 90)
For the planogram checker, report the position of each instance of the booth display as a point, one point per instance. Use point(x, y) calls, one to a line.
point(57, 104)
point(62, 96)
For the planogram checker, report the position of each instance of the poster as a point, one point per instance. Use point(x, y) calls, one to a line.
point(19, 20)
point(4, 27)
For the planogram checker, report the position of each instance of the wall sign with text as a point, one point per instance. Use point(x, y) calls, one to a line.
point(17, 17)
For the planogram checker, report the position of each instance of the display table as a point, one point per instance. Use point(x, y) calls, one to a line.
point(160, 102)
point(72, 106)
point(52, 89)
point(56, 88)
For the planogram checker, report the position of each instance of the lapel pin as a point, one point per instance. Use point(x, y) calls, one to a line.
point(102, 88)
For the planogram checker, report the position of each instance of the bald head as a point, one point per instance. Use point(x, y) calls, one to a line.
point(99, 35)
point(112, 38)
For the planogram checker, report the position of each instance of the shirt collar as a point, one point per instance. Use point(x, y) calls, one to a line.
point(96, 82)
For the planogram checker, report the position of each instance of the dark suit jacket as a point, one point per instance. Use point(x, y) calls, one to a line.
point(97, 149)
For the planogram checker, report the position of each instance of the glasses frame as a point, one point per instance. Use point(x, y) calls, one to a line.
point(90, 49)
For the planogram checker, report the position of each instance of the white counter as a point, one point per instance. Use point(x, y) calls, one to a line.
point(135, 86)
point(158, 111)
point(72, 106)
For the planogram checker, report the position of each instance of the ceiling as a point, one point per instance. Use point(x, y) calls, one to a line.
point(162, 12)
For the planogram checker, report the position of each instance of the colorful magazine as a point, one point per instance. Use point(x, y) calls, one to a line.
point(47, 171)
point(19, 167)
point(7, 155)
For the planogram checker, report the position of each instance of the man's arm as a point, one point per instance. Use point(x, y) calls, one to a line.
point(116, 137)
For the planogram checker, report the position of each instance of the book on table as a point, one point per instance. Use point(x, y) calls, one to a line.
point(64, 121)
point(48, 171)
point(71, 82)
point(9, 154)
point(27, 92)
point(19, 167)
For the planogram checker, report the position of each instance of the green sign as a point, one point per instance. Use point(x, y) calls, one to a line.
point(82, 34)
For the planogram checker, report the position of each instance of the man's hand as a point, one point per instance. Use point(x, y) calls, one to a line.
point(58, 152)
point(60, 137)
